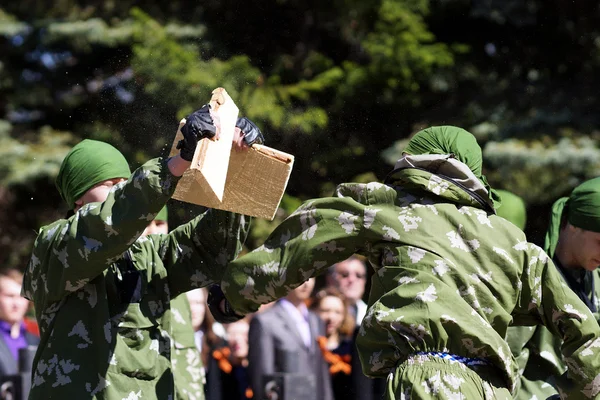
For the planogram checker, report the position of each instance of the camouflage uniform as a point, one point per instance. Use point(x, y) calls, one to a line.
point(188, 370)
point(449, 278)
point(102, 293)
point(538, 351)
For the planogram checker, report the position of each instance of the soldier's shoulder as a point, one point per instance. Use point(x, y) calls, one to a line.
point(47, 232)
point(366, 192)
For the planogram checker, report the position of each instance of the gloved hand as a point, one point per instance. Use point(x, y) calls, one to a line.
point(251, 132)
point(225, 315)
point(198, 125)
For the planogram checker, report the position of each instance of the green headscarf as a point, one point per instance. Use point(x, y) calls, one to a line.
point(88, 163)
point(513, 208)
point(456, 141)
point(162, 215)
point(582, 210)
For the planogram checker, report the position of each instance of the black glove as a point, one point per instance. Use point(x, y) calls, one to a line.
point(198, 125)
point(215, 296)
point(251, 132)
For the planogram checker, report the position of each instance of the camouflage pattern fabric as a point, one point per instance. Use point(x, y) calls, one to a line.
point(188, 370)
point(102, 293)
point(449, 275)
point(538, 353)
point(426, 377)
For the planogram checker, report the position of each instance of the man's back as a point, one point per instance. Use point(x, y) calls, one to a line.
point(451, 275)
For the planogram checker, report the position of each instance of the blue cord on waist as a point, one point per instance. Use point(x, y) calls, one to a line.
point(453, 357)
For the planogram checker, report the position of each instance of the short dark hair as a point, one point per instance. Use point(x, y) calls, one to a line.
point(12, 273)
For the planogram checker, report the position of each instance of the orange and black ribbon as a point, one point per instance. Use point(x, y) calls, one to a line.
point(222, 356)
point(337, 363)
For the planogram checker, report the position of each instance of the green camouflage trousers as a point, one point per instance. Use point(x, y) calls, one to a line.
point(432, 377)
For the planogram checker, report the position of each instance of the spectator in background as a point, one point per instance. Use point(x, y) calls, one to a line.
point(283, 339)
point(203, 324)
point(228, 365)
point(512, 208)
point(336, 346)
point(13, 333)
point(350, 277)
point(200, 324)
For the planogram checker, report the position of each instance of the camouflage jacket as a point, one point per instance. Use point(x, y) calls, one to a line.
point(102, 293)
point(188, 371)
point(449, 275)
point(538, 352)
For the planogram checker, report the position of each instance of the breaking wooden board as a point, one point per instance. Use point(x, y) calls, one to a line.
point(255, 179)
point(209, 165)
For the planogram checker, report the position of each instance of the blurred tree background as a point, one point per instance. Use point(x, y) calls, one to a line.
point(340, 84)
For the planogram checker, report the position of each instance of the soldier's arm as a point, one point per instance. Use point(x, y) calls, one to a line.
point(539, 359)
point(320, 233)
point(196, 254)
point(69, 253)
point(546, 298)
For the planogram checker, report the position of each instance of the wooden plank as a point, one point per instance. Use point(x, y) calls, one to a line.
point(255, 179)
point(211, 159)
point(256, 182)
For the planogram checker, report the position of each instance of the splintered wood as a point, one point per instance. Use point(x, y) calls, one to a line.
point(250, 182)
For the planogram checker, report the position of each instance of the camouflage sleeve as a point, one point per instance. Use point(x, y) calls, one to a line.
point(196, 254)
point(318, 234)
point(69, 253)
point(548, 299)
point(539, 359)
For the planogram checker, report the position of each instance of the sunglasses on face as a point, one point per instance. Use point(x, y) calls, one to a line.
point(346, 274)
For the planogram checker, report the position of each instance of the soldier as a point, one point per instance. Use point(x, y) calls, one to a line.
point(188, 371)
point(573, 242)
point(450, 276)
point(101, 291)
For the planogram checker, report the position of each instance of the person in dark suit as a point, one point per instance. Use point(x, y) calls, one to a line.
point(283, 339)
point(13, 332)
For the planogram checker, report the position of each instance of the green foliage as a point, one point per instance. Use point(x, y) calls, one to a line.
point(83, 35)
point(339, 84)
point(24, 161)
point(393, 153)
point(176, 75)
point(403, 51)
point(11, 26)
point(540, 171)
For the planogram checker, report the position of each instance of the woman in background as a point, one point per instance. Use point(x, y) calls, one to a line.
point(228, 365)
point(333, 308)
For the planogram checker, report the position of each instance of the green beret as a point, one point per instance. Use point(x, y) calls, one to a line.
point(581, 208)
point(87, 164)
